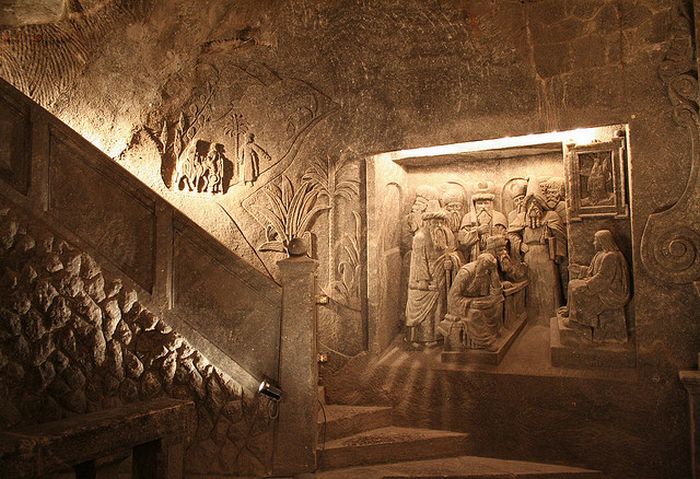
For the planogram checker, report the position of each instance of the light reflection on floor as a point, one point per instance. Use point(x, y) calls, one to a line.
point(529, 355)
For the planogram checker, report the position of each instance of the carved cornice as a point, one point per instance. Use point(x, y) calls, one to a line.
point(670, 247)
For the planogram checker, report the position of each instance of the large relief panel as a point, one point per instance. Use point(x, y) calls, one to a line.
point(119, 224)
point(230, 304)
point(15, 143)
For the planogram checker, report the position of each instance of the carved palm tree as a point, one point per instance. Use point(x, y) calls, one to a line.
point(289, 214)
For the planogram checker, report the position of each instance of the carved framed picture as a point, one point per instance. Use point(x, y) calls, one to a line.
point(596, 177)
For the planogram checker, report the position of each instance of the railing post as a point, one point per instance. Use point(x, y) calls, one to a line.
point(295, 438)
point(163, 281)
point(691, 381)
point(38, 193)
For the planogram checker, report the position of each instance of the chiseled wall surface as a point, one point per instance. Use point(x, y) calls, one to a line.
point(324, 84)
point(73, 340)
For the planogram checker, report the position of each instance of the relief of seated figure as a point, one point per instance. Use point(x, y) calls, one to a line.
point(474, 316)
point(599, 293)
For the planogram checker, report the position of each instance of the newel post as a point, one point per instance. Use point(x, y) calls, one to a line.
point(295, 439)
point(691, 381)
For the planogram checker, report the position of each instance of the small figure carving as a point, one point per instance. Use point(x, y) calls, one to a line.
point(214, 169)
point(599, 293)
point(599, 181)
point(200, 168)
point(249, 157)
point(430, 267)
point(424, 194)
point(189, 165)
point(480, 222)
point(475, 305)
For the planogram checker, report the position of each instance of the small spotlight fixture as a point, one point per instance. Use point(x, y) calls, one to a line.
point(270, 391)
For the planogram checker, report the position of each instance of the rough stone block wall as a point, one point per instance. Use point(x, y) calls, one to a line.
point(74, 339)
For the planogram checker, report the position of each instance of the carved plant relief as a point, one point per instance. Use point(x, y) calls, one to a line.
point(346, 289)
point(289, 212)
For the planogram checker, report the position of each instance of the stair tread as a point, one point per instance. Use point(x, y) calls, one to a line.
point(458, 467)
point(391, 435)
point(336, 412)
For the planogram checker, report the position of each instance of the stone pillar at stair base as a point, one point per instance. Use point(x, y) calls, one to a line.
point(691, 381)
point(295, 438)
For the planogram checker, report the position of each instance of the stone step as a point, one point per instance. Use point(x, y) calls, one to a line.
point(341, 421)
point(391, 444)
point(462, 467)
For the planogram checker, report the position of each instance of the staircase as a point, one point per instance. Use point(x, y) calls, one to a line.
point(362, 441)
point(179, 271)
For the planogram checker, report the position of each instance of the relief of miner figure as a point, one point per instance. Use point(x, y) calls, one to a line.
point(480, 222)
point(432, 262)
point(599, 292)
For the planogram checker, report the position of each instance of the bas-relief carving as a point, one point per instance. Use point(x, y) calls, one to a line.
point(598, 294)
point(289, 211)
point(481, 222)
point(239, 129)
point(432, 251)
point(670, 247)
point(250, 157)
point(544, 248)
point(250, 119)
point(474, 278)
point(597, 180)
point(346, 289)
point(200, 168)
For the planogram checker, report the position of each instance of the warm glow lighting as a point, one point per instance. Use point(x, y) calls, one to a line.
point(95, 139)
point(580, 136)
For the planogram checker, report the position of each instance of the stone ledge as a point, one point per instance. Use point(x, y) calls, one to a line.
point(40, 449)
point(481, 356)
point(598, 356)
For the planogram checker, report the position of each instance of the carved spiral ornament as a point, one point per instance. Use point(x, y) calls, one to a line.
point(676, 252)
point(685, 86)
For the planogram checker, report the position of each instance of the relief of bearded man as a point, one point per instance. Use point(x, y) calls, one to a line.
point(433, 261)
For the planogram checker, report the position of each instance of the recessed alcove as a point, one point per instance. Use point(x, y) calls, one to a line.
point(567, 162)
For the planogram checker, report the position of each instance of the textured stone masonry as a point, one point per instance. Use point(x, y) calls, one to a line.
point(74, 340)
